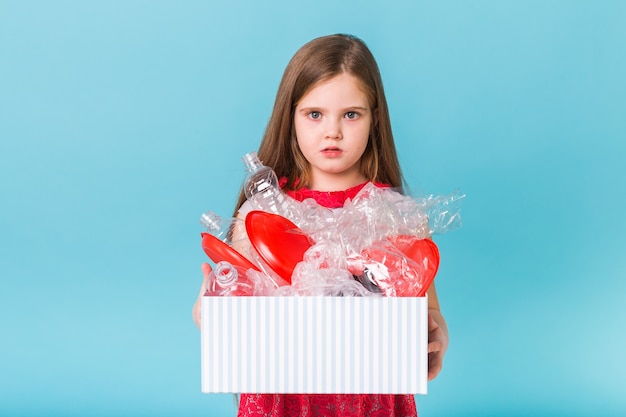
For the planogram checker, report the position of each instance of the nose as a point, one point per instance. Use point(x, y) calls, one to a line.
point(333, 130)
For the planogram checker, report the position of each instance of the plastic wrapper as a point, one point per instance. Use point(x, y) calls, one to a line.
point(310, 280)
point(395, 274)
point(355, 250)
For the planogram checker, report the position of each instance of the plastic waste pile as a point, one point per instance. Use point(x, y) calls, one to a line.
point(377, 244)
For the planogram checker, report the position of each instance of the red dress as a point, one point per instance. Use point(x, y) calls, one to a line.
point(310, 405)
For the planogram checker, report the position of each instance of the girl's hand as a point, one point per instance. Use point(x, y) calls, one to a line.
point(437, 343)
point(195, 312)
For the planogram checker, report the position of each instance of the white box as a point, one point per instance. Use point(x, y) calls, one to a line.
point(315, 345)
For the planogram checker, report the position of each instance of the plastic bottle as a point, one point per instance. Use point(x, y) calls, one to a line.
point(261, 187)
point(226, 240)
point(219, 227)
point(227, 280)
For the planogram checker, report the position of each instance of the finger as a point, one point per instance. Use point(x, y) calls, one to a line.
point(435, 347)
point(432, 324)
point(195, 311)
point(206, 269)
point(435, 364)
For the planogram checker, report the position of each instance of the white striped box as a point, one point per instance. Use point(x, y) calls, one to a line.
point(314, 345)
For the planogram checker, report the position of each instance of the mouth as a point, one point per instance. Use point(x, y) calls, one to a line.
point(331, 151)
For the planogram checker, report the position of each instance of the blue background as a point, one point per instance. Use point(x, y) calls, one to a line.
point(122, 121)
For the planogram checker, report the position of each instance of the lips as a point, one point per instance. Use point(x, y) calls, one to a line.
point(332, 151)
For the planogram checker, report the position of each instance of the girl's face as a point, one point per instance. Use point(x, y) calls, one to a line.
point(332, 123)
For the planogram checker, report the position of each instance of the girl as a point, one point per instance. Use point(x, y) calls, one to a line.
point(328, 136)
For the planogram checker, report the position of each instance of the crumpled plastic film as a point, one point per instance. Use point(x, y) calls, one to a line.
point(444, 212)
point(395, 275)
point(308, 280)
point(353, 250)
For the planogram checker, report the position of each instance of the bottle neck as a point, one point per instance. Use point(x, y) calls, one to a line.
point(225, 274)
point(252, 162)
point(211, 221)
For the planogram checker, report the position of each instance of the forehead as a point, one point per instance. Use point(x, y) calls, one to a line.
point(341, 87)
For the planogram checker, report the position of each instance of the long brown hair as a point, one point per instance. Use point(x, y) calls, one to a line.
point(319, 60)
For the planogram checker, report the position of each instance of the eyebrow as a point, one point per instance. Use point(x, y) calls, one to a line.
point(349, 108)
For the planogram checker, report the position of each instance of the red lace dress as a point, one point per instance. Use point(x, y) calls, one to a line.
point(309, 405)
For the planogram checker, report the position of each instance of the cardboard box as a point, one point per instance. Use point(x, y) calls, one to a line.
point(314, 345)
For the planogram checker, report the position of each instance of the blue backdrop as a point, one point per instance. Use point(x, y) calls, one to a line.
point(122, 121)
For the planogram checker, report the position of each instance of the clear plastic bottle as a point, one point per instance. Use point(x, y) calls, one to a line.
point(219, 227)
point(227, 280)
point(261, 187)
point(231, 231)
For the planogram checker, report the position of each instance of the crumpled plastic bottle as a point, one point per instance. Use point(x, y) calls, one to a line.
point(227, 280)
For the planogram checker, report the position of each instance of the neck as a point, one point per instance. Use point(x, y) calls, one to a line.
point(336, 182)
